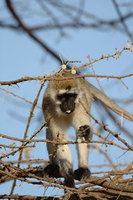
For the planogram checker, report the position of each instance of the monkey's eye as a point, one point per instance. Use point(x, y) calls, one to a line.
point(61, 97)
point(73, 96)
point(66, 96)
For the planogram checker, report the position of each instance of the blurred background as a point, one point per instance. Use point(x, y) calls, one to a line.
point(38, 36)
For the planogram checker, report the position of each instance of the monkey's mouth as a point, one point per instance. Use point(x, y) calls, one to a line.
point(67, 107)
point(68, 111)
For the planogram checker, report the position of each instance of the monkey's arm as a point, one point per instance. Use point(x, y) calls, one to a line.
point(97, 94)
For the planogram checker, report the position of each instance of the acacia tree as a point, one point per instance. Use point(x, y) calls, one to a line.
point(115, 180)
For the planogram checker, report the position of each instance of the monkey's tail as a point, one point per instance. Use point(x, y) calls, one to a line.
point(103, 98)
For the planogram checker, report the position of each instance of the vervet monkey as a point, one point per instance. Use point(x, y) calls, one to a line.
point(66, 103)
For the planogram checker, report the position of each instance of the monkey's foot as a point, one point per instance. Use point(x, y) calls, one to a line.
point(69, 182)
point(69, 179)
point(52, 170)
point(82, 173)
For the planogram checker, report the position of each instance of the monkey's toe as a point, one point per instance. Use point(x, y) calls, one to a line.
point(82, 173)
point(52, 170)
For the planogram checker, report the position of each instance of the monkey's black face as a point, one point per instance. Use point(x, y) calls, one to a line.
point(67, 102)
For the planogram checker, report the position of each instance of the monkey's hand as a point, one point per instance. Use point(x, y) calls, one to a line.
point(82, 173)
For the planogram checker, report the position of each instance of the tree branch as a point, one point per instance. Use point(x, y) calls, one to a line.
point(29, 32)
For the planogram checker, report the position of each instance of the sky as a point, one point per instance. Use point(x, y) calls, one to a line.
point(20, 56)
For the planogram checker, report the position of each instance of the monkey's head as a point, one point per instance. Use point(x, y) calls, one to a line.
point(67, 102)
point(66, 94)
point(62, 95)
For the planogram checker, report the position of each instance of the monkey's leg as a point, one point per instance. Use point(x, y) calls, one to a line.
point(53, 169)
point(65, 158)
point(60, 153)
point(83, 129)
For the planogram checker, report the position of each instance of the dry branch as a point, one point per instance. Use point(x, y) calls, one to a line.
point(9, 171)
point(106, 185)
